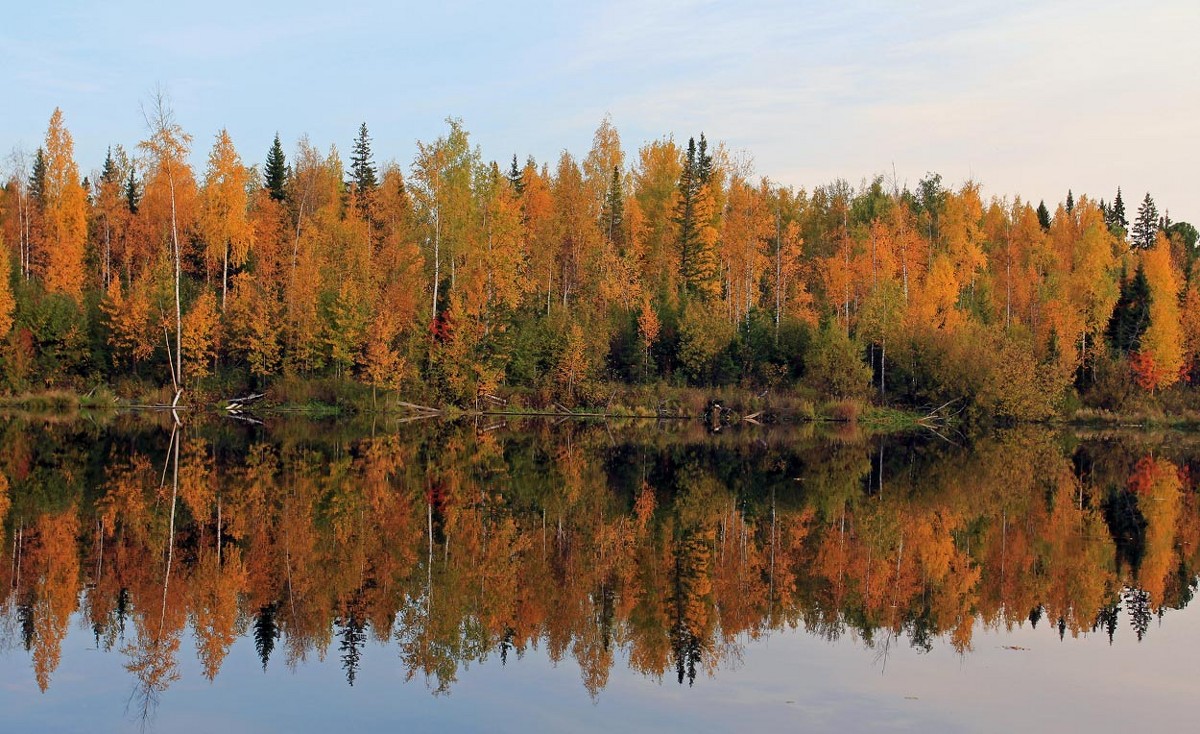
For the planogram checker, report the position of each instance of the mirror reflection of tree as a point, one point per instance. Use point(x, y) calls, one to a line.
point(662, 546)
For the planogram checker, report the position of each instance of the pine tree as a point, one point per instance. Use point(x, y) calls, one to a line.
point(1131, 316)
point(614, 209)
point(516, 177)
point(133, 194)
point(1043, 215)
point(108, 174)
point(362, 169)
point(693, 216)
point(37, 179)
point(1146, 225)
point(276, 171)
point(1070, 202)
point(1115, 218)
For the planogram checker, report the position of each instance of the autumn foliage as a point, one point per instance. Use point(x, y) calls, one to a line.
point(457, 277)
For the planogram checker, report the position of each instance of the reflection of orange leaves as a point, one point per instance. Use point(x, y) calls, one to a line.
point(57, 590)
point(1145, 474)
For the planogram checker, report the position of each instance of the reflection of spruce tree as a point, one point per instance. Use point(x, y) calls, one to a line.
point(921, 630)
point(353, 632)
point(1035, 616)
point(507, 638)
point(266, 631)
point(1127, 525)
point(691, 579)
point(1107, 619)
point(1062, 628)
point(25, 619)
point(1138, 603)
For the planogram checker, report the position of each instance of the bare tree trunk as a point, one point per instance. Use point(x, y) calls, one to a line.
point(437, 240)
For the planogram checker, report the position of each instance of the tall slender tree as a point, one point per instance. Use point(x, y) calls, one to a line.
point(65, 214)
point(275, 172)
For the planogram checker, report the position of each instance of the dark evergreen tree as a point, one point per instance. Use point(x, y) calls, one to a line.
point(109, 173)
point(697, 169)
point(1115, 216)
point(362, 169)
point(37, 179)
point(1043, 215)
point(704, 162)
point(275, 172)
point(133, 193)
point(516, 177)
point(1137, 601)
point(685, 213)
point(1070, 202)
point(1145, 227)
point(266, 632)
point(1131, 315)
point(614, 210)
point(1107, 619)
point(354, 637)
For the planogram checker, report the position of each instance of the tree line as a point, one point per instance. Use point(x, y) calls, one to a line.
point(456, 277)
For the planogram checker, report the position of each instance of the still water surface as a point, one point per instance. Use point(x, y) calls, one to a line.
point(305, 577)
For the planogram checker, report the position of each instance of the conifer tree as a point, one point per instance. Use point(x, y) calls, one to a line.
point(362, 169)
point(276, 171)
point(614, 209)
point(1131, 316)
point(1070, 202)
point(696, 266)
point(37, 178)
point(1043, 215)
point(516, 177)
point(1115, 215)
point(133, 194)
point(1146, 225)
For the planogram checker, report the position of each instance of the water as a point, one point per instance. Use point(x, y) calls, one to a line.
point(302, 576)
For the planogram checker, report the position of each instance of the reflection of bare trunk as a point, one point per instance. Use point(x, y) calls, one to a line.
point(171, 530)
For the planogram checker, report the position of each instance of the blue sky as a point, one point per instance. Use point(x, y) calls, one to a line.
point(1028, 98)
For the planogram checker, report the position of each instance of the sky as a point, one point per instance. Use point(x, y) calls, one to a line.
point(1026, 98)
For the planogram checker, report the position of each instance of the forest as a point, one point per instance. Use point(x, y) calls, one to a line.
point(452, 277)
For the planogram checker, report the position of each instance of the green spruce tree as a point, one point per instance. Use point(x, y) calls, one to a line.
point(275, 178)
point(1145, 227)
point(1115, 219)
point(1131, 316)
point(614, 210)
point(1043, 215)
point(362, 168)
point(516, 177)
point(133, 193)
point(37, 179)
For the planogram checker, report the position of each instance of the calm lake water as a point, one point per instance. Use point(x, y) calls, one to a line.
point(301, 576)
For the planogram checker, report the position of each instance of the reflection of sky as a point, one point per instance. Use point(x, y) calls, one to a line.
point(789, 681)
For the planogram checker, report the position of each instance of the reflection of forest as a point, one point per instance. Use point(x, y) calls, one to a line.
point(662, 545)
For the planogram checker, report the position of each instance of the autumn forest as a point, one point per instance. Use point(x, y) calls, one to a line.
point(448, 277)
